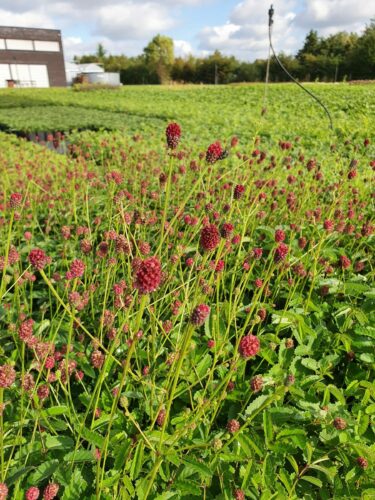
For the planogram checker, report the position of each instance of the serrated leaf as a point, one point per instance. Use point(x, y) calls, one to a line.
point(137, 461)
point(79, 456)
point(370, 409)
point(203, 366)
point(188, 487)
point(121, 453)
point(59, 442)
point(44, 471)
point(93, 437)
point(257, 405)
point(76, 487)
point(166, 495)
point(198, 467)
point(110, 480)
point(16, 474)
point(54, 411)
point(310, 363)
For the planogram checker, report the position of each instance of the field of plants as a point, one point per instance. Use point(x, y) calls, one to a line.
point(187, 295)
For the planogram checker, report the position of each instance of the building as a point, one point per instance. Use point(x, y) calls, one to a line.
point(91, 73)
point(31, 57)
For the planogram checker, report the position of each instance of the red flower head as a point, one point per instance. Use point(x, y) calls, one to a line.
point(50, 491)
point(281, 252)
point(15, 200)
point(3, 491)
point(38, 258)
point(344, 262)
point(238, 191)
point(233, 426)
point(7, 376)
point(256, 383)
point(32, 493)
point(161, 417)
point(328, 225)
point(279, 235)
point(339, 423)
point(148, 276)
point(200, 314)
point(210, 237)
point(226, 230)
point(173, 133)
point(214, 152)
point(249, 346)
point(76, 270)
point(239, 495)
point(362, 462)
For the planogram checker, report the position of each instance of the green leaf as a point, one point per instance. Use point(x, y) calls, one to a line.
point(186, 487)
point(337, 393)
point(203, 366)
point(54, 411)
point(93, 437)
point(370, 409)
point(257, 405)
point(43, 326)
point(16, 474)
point(310, 363)
point(267, 427)
point(166, 495)
point(293, 463)
point(313, 480)
point(198, 467)
point(121, 453)
point(137, 461)
point(59, 442)
point(111, 479)
point(76, 487)
point(79, 456)
point(44, 471)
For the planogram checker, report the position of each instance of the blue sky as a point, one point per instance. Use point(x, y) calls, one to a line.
point(197, 26)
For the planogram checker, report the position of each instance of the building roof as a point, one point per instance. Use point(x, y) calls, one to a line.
point(83, 68)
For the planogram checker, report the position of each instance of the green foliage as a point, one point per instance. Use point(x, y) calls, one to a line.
point(142, 402)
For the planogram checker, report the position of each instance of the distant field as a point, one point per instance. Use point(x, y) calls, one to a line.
point(205, 112)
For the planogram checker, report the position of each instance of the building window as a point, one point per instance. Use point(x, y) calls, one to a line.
point(45, 46)
point(19, 44)
point(2, 44)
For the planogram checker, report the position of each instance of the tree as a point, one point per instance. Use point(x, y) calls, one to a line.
point(100, 51)
point(363, 56)
point(311, 46)
point(159, 55)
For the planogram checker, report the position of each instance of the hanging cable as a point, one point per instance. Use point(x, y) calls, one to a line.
point(270, 25)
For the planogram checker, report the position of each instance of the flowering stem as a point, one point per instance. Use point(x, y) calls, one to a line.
point(7, 253)
point(62, 303)
point(166, 201)
point(1, 432)
point(144, 300)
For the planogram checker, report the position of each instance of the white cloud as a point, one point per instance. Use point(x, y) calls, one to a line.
point(26, 19)
point(335, 13)
point(182, 48)
point(245, 34)
point(132, 20)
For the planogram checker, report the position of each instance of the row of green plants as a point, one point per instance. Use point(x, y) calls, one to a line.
point(209, 111)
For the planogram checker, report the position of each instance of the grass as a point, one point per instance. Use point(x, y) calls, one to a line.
point(112, 384)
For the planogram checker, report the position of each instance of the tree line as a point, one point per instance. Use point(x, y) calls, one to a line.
point(339, 57)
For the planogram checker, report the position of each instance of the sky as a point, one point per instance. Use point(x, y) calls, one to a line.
point(197, 26)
